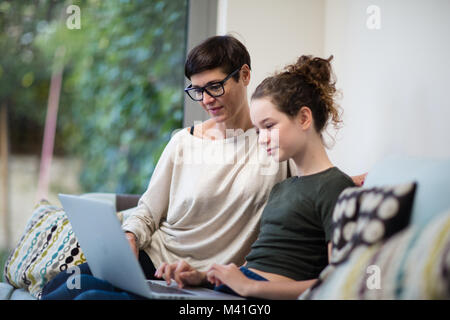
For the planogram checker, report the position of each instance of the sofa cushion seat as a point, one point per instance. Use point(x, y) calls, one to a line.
point(6, 291)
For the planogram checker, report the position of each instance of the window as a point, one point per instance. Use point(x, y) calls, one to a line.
point(119, 95)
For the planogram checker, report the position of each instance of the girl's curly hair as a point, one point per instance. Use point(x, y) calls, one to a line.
point(309, 82)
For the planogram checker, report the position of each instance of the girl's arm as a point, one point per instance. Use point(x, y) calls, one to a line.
point(236, 280)
point(284, 290)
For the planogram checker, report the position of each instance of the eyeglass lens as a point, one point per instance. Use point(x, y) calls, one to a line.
point(214, 90)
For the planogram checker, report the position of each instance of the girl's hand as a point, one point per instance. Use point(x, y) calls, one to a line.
point(181, 272)
point(231, 276)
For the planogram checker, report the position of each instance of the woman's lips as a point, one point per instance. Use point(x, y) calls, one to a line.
point(215, 110)
point(271, 150)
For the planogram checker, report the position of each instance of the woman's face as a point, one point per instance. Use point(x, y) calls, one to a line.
point(231, 102)
point(281, 136)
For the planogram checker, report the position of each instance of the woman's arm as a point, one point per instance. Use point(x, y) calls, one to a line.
point(152, 206)
point(359, 180)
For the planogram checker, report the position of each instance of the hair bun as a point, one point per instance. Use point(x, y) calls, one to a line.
point(315, 70)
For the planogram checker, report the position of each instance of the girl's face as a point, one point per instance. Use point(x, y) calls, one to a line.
point(281, 136)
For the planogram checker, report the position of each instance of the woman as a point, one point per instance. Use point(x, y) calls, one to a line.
point(290, 111)
point(199, 205)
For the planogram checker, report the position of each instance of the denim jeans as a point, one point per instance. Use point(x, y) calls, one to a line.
point(92, 288)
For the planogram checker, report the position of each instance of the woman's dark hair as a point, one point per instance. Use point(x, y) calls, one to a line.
point(309, 82)
point(225, 52)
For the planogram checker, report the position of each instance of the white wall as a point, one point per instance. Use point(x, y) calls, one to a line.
point(272, 31)
point(393, 80)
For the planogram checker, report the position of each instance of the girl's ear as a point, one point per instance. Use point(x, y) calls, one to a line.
point(304, 117)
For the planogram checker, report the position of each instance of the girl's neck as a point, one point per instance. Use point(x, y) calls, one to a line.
point(313, 159)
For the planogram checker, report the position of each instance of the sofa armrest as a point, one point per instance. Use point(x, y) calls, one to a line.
point(126, 201)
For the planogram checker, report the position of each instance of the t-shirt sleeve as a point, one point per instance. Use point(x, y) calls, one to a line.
point(329, 196)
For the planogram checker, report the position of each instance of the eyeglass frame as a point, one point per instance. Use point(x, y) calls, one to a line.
point(203, 89)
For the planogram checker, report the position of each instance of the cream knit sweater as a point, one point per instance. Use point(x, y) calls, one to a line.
point(204, 200)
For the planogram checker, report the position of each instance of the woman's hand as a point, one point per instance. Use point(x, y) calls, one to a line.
point(359, 180)
point(231, 276)
point(181, 272)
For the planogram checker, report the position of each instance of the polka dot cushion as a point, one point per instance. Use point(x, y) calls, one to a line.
point(47, 247)
point(364, 217)
point(368, 216)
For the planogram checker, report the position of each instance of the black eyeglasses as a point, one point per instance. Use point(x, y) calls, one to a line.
point(214, 89)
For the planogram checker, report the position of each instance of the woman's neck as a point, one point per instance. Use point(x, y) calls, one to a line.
point(313, 158)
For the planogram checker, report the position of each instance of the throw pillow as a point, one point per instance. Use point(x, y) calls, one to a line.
point(47, 247)
point(366, 216)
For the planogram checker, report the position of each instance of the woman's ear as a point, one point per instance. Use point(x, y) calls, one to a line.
point(245, 74)
point(305, 118)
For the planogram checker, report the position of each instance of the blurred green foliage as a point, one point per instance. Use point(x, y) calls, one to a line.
point(122, 94)
point(24, 80)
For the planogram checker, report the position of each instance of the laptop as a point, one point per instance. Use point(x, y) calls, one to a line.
point(110, 257)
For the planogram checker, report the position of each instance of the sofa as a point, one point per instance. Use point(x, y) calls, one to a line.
point(412, 263)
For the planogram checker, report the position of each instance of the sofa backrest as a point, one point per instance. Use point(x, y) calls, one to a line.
point(433, 177)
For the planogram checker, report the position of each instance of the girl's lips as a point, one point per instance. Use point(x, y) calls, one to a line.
point(271, 150)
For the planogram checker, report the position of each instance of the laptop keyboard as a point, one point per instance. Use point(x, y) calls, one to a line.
point(158, 288)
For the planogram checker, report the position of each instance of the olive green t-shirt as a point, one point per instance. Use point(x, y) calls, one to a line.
point(296, 225)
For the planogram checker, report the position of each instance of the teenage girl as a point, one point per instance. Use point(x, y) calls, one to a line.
point(290, 111)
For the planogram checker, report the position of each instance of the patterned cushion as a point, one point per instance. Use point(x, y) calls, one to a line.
point(367, 216)
point(47, 247)
point(414, 264)
point(364, 217)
